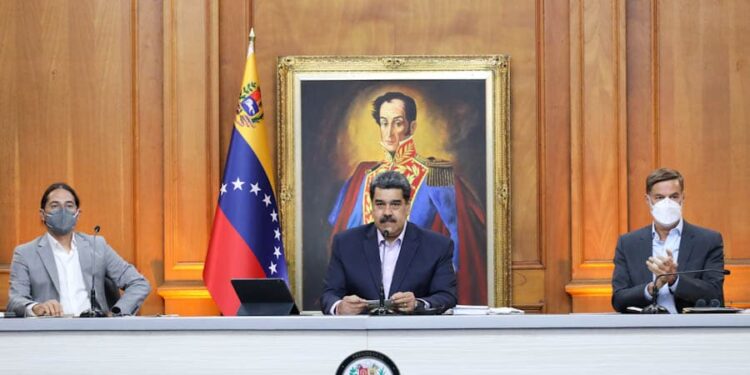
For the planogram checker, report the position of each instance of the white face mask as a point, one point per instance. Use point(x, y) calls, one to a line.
point(666, 211)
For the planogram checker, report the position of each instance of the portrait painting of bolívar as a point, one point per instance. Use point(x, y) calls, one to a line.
point(434, 131)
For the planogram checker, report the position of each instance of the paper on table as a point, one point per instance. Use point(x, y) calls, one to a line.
point(375, 303)
point(505, 311)
point(470, 310)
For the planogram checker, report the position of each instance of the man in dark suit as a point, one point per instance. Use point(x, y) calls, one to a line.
point(668, 245)
point(414, 266)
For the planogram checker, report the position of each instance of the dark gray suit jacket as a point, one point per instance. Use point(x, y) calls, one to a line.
point(33, 274)
point(700, 248)
point(424, 267)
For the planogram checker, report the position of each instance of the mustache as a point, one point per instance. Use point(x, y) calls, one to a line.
point(387, 219)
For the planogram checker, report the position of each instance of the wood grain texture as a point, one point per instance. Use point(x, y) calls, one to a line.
point(555, 158)
point(704, 120)
point(67, 84)
point(191, 134)
point(598, 165)
point(643, 104)
point(148, 95)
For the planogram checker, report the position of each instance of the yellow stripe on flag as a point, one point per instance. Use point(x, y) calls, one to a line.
point(252, 126)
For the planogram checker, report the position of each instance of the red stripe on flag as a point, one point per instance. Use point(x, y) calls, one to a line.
point(228, 257)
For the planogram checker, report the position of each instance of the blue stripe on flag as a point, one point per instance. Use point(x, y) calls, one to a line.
point(248, 213)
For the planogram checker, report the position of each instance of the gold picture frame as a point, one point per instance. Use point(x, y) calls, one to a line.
point(323, 104)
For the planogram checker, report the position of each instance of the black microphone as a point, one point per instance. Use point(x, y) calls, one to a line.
point(95, 310)
point(655, 308)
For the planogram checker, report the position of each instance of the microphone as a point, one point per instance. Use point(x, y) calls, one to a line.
point(94, 311)
point(655, 308)
point(381, 310)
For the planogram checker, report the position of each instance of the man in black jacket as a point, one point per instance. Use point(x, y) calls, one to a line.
point(668, 245)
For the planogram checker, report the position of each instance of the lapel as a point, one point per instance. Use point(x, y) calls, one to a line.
point(686, 246)
point(85, 253)
point(372, 256)
point(645, 250)
point(44, 249)
point(408, 250)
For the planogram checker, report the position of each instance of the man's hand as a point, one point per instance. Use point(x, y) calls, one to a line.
point(351, 305)
point(404, 301)
point(661, 265)
point(48, 308)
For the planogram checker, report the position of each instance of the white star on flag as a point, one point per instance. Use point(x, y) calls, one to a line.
point(272, 267)
point(277, 251)
point(267, 199)
point(238, 184)
point(276, 234)
point(223, 189)
point(254, 189)
point(274, 216)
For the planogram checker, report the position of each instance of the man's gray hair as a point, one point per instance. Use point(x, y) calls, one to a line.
point(391, 180)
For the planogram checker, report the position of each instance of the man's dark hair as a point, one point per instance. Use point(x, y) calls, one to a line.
point(391, 180)
point(59, 185)
point(410, 106)
point(664, 174)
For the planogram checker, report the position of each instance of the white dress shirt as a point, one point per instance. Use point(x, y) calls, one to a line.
point(74, 297)
point(659, 248)
point(389, 253)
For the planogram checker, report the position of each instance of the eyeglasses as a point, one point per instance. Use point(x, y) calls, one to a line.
point(55, 207)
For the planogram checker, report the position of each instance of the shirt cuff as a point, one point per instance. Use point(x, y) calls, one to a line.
point(646, 293)
point(30, 309)
point(333, 308)
point(425, 303)
point(673, 287)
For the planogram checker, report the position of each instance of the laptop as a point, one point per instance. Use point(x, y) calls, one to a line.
point(264, 297)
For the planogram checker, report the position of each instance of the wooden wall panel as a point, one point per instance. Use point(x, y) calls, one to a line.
point(68, 115)
point(190, 132)
point(148, 102)
point(598, 139)
point(56, 70)
point(191, 143)
point(643, 104)
point(555, 155)
point(704, 127)
point(687, 79)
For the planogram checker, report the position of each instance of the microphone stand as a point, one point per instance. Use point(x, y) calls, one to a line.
point(94, 311)
point(381, 309)
point(654, 307)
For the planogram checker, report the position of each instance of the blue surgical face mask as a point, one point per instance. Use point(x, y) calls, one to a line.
point(61, 221)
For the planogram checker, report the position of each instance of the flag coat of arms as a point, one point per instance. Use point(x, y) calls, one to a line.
point(246, 235)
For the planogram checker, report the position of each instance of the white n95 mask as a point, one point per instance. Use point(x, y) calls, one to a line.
point(666, 212)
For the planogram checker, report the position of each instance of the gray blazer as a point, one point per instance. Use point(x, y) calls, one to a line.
point(33, 274)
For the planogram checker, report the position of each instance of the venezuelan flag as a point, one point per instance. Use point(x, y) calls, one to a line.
point(246, 235)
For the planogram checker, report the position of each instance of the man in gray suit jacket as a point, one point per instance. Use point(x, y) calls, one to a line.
point(52, 274)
